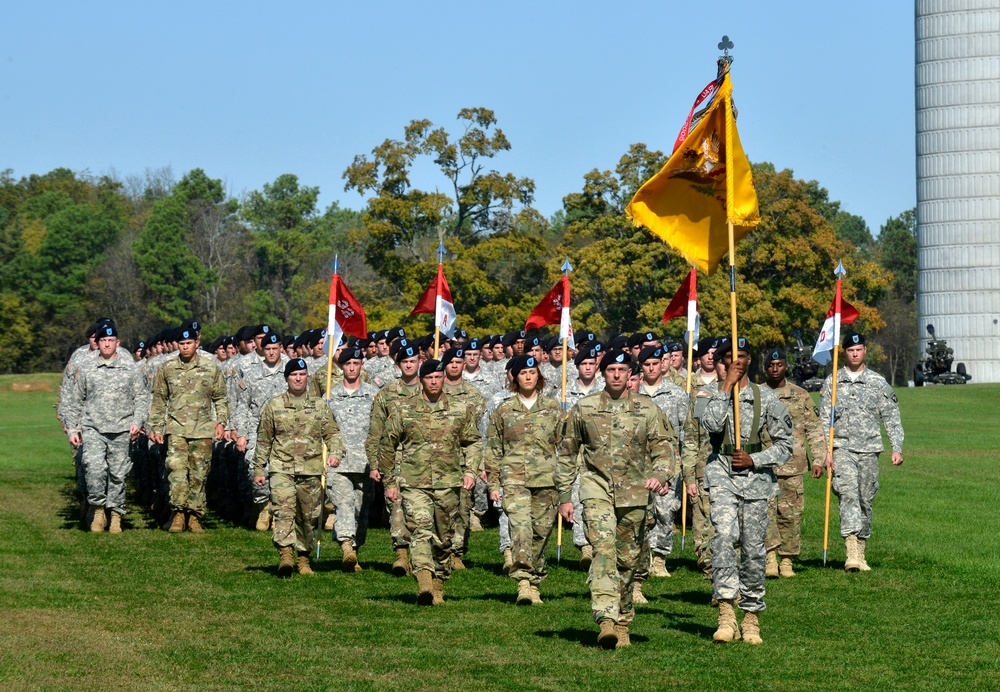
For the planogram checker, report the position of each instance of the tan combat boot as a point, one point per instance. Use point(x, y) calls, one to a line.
point(785, 568)
point(401, 567)
point(456, 563)
point(475, 525)
point(851, 564)
point(751, 629)
point(177, 523)
point(623, 639)
point(728, 629)
point(607, 638)
point(116, 523)
point(637, 597)
point(425, 587)
point(99, 521)
point(350, 559)
point(286, 562)
point(194, 524)
point(771, 567)
point(658, 567)
point(508, 561)
point(523, 592)
point(862, 542)
point(328, 526)
point(437, 590)
point(586, 556)
point(263, 522)
point(302, 564)
point(536, 596)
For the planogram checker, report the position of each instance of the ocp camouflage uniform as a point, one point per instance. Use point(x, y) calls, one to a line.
point(433, 439)
point(575, 392)
point(388, 398)
point(857, 442)
point(520, 460)
point(105, 402)
point(673, 401)
point(289, 449)
point(695, 451)
point(183, 395)
point(623, 443)
point(739, 498)
point(258, 384)
point(347, 484)
point(785, 511)
point(469, 395)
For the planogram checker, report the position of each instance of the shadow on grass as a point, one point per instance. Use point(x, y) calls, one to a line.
point(587, 638)
point(693, 597)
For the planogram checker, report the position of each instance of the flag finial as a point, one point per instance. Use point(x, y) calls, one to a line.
point(840, 271)
point(336, 264)
point(725, 60)
point(441, 252)
point(566, 267)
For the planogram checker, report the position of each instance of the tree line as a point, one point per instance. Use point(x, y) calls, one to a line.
point(151, 251)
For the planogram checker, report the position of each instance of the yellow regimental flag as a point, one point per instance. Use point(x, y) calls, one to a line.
point(706, 183)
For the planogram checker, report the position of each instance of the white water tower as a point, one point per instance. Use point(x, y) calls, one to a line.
point(958, 179)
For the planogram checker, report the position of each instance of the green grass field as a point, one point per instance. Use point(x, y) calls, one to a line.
point(150, 610)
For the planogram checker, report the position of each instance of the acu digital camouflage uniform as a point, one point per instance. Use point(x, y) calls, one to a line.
point(673, 401)
point(695, 451)
point(862, 404)
point(469, 395)
point(106, 400)
point(520, 461)
point(258, 384)
point(347, 484)
point(289, 449)
point(433, 439)
point(784, 512)
point(181, 410)
point(388, 398)
point(739, 498)
point(623, 442)
point(382, 371)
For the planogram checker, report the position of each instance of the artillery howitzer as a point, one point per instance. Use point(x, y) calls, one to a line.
point(935, 368)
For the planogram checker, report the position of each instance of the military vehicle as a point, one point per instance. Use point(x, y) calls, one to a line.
point(935, 368)
point(802, 369)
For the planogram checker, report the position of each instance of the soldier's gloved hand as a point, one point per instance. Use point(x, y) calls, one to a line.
point(468, 482)
point(333, 462)
point(897, 458)
point(392, 494)
point(241, 444)
point(566, 511)
point(741, 460)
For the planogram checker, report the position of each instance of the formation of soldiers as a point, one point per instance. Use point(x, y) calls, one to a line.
point(275, 433)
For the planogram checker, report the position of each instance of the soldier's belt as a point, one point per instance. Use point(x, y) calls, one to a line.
point(749, 448)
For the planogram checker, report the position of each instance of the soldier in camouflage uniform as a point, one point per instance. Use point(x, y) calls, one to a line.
point(673, 401)
point(695, 451)
point(180, 416)
point(627, 454)
point(740, 480)
point(382, 369)
point(785, 511)
point(455, 387)
point(103, 415)
point(484, 427)
point(864, 399)
point(475, 374)
point(433, 432)
point(520, 459)
point(293, 428)
point(388, 398)
point(347, 483)
point(261, 380)
point(586, 382)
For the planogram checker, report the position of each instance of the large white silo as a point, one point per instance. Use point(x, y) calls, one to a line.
point(958, 179)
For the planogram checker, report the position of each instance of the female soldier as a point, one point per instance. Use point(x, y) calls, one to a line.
point(520, 460)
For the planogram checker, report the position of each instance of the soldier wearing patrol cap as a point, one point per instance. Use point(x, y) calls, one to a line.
point(627, 454)
point(740, 480)
point(433, 433)
point(864, 400)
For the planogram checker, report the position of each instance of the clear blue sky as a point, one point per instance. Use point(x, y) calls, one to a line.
point(251, 90)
